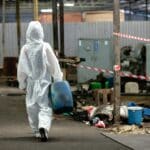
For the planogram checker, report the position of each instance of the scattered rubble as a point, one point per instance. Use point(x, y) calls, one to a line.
point(101, 116)
point(128, 129)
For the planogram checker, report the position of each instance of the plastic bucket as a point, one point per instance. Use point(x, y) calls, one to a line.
point(124, 111)
point(135, 115)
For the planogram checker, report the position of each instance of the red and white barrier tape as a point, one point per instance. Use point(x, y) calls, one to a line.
point(131, 37)
point(122, 74)
point(92, 68)
point(140, 77)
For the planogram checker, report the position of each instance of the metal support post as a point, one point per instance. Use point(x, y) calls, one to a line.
point(35, 6)
point(116, 29)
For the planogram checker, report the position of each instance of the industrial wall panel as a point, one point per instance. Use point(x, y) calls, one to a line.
point(74, 32)
point(84, 30)
point(11, 46)
point(1, 48)
point(48, 33)
point(103, 30)
point(138, 29)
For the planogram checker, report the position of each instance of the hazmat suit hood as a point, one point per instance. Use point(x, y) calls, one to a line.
point(34, 33)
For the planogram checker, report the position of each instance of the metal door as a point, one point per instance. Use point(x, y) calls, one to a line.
point(98, 53)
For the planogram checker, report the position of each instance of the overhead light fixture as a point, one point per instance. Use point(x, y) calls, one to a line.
point(49, 10)
point(128, 12)
point(69, 4)
point(46, 10)
point(122, 10)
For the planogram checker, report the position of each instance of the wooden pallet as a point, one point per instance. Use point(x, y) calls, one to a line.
point(104, 96)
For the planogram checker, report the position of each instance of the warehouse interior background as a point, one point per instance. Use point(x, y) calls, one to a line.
point(103, 47)
point(87, 35)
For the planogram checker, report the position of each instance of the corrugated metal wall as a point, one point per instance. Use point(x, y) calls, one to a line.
point(1, 54)
point(75, 31)
point(85, 30)
point(11, 48)
point(139, 29)
point(102, 30)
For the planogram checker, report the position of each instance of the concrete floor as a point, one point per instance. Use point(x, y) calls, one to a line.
point(14, 128)
point(137, 142)
point(65, 133)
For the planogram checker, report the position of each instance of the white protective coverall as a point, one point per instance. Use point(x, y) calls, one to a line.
point(37, 64)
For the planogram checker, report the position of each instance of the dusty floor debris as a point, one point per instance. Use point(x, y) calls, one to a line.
point(128, 129)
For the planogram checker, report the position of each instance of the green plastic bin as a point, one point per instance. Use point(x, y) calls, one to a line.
point(95, 85)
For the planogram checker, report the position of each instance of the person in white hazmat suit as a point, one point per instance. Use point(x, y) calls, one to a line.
point(37, 64)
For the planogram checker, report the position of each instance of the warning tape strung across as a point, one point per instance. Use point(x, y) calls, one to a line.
point(92, 68)
point(131, 37)
point(140, 77)
point(122, 74)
